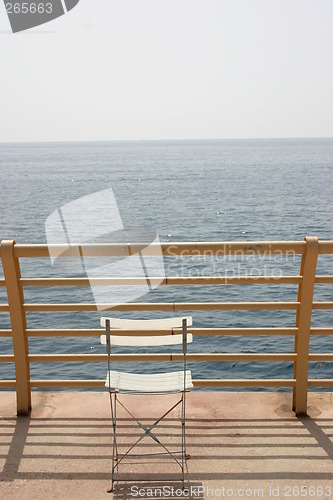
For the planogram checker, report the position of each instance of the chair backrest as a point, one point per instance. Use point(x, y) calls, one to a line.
point(148, 325)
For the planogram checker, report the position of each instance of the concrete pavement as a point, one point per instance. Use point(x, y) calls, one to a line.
point(241, 445)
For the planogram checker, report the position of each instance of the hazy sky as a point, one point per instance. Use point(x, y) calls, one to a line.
point(170, 69)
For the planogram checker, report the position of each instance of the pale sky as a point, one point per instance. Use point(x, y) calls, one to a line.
point(170, 69)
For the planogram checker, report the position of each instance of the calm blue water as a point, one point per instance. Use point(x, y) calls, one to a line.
point(187, 190)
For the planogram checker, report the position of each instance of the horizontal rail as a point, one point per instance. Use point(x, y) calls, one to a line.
point(171, 249)
point(5, 333)
point(322, 305)
point(207, 357)
point(51, 282)
point(325, 280)
point(321, 357)
point(199, 332)
point(321, 331)
point(325, 247)
point(196, 383)
point(320, 382)
point(244, 382)
point(172, 280)
point(7, 358)
point(4, 308)
point(66, 383)
point(8, 384)
point(165, 306)
point(11, 384)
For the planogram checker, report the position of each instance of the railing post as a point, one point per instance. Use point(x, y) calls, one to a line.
point(12, 273)
point(303, 323)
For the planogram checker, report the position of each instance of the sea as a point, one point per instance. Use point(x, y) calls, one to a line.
point(202, 190)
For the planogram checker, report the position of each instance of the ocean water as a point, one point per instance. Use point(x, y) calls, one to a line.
point(222, 190)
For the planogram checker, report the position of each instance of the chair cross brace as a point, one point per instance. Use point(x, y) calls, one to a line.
point(147, 430)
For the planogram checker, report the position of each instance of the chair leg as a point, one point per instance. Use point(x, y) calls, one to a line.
point(114, 444)
point(184, 416)
point(183, 438)
point(115, 432)
point(184, 449)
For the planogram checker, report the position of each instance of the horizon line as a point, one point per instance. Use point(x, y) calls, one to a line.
point(162, 140)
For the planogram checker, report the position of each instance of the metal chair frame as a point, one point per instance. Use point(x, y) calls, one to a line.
point(147, 431)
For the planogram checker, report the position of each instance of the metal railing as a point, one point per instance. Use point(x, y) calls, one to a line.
point(309, 249)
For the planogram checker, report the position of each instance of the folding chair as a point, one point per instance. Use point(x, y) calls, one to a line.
point(153, 384)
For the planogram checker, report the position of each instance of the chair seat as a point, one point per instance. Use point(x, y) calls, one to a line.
point(146, 341)
point(149, 383)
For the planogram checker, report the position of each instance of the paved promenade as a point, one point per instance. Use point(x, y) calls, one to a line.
point(241, 445)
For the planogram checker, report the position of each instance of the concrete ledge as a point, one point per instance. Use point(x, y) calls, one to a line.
point(242, 445)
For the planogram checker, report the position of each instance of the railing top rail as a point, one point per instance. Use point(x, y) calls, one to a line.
point(168, 249)
point(325, 247)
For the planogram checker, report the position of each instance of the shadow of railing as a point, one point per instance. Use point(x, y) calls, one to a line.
point(80, 449)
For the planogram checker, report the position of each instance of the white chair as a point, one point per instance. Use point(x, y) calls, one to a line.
point(152, 383)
